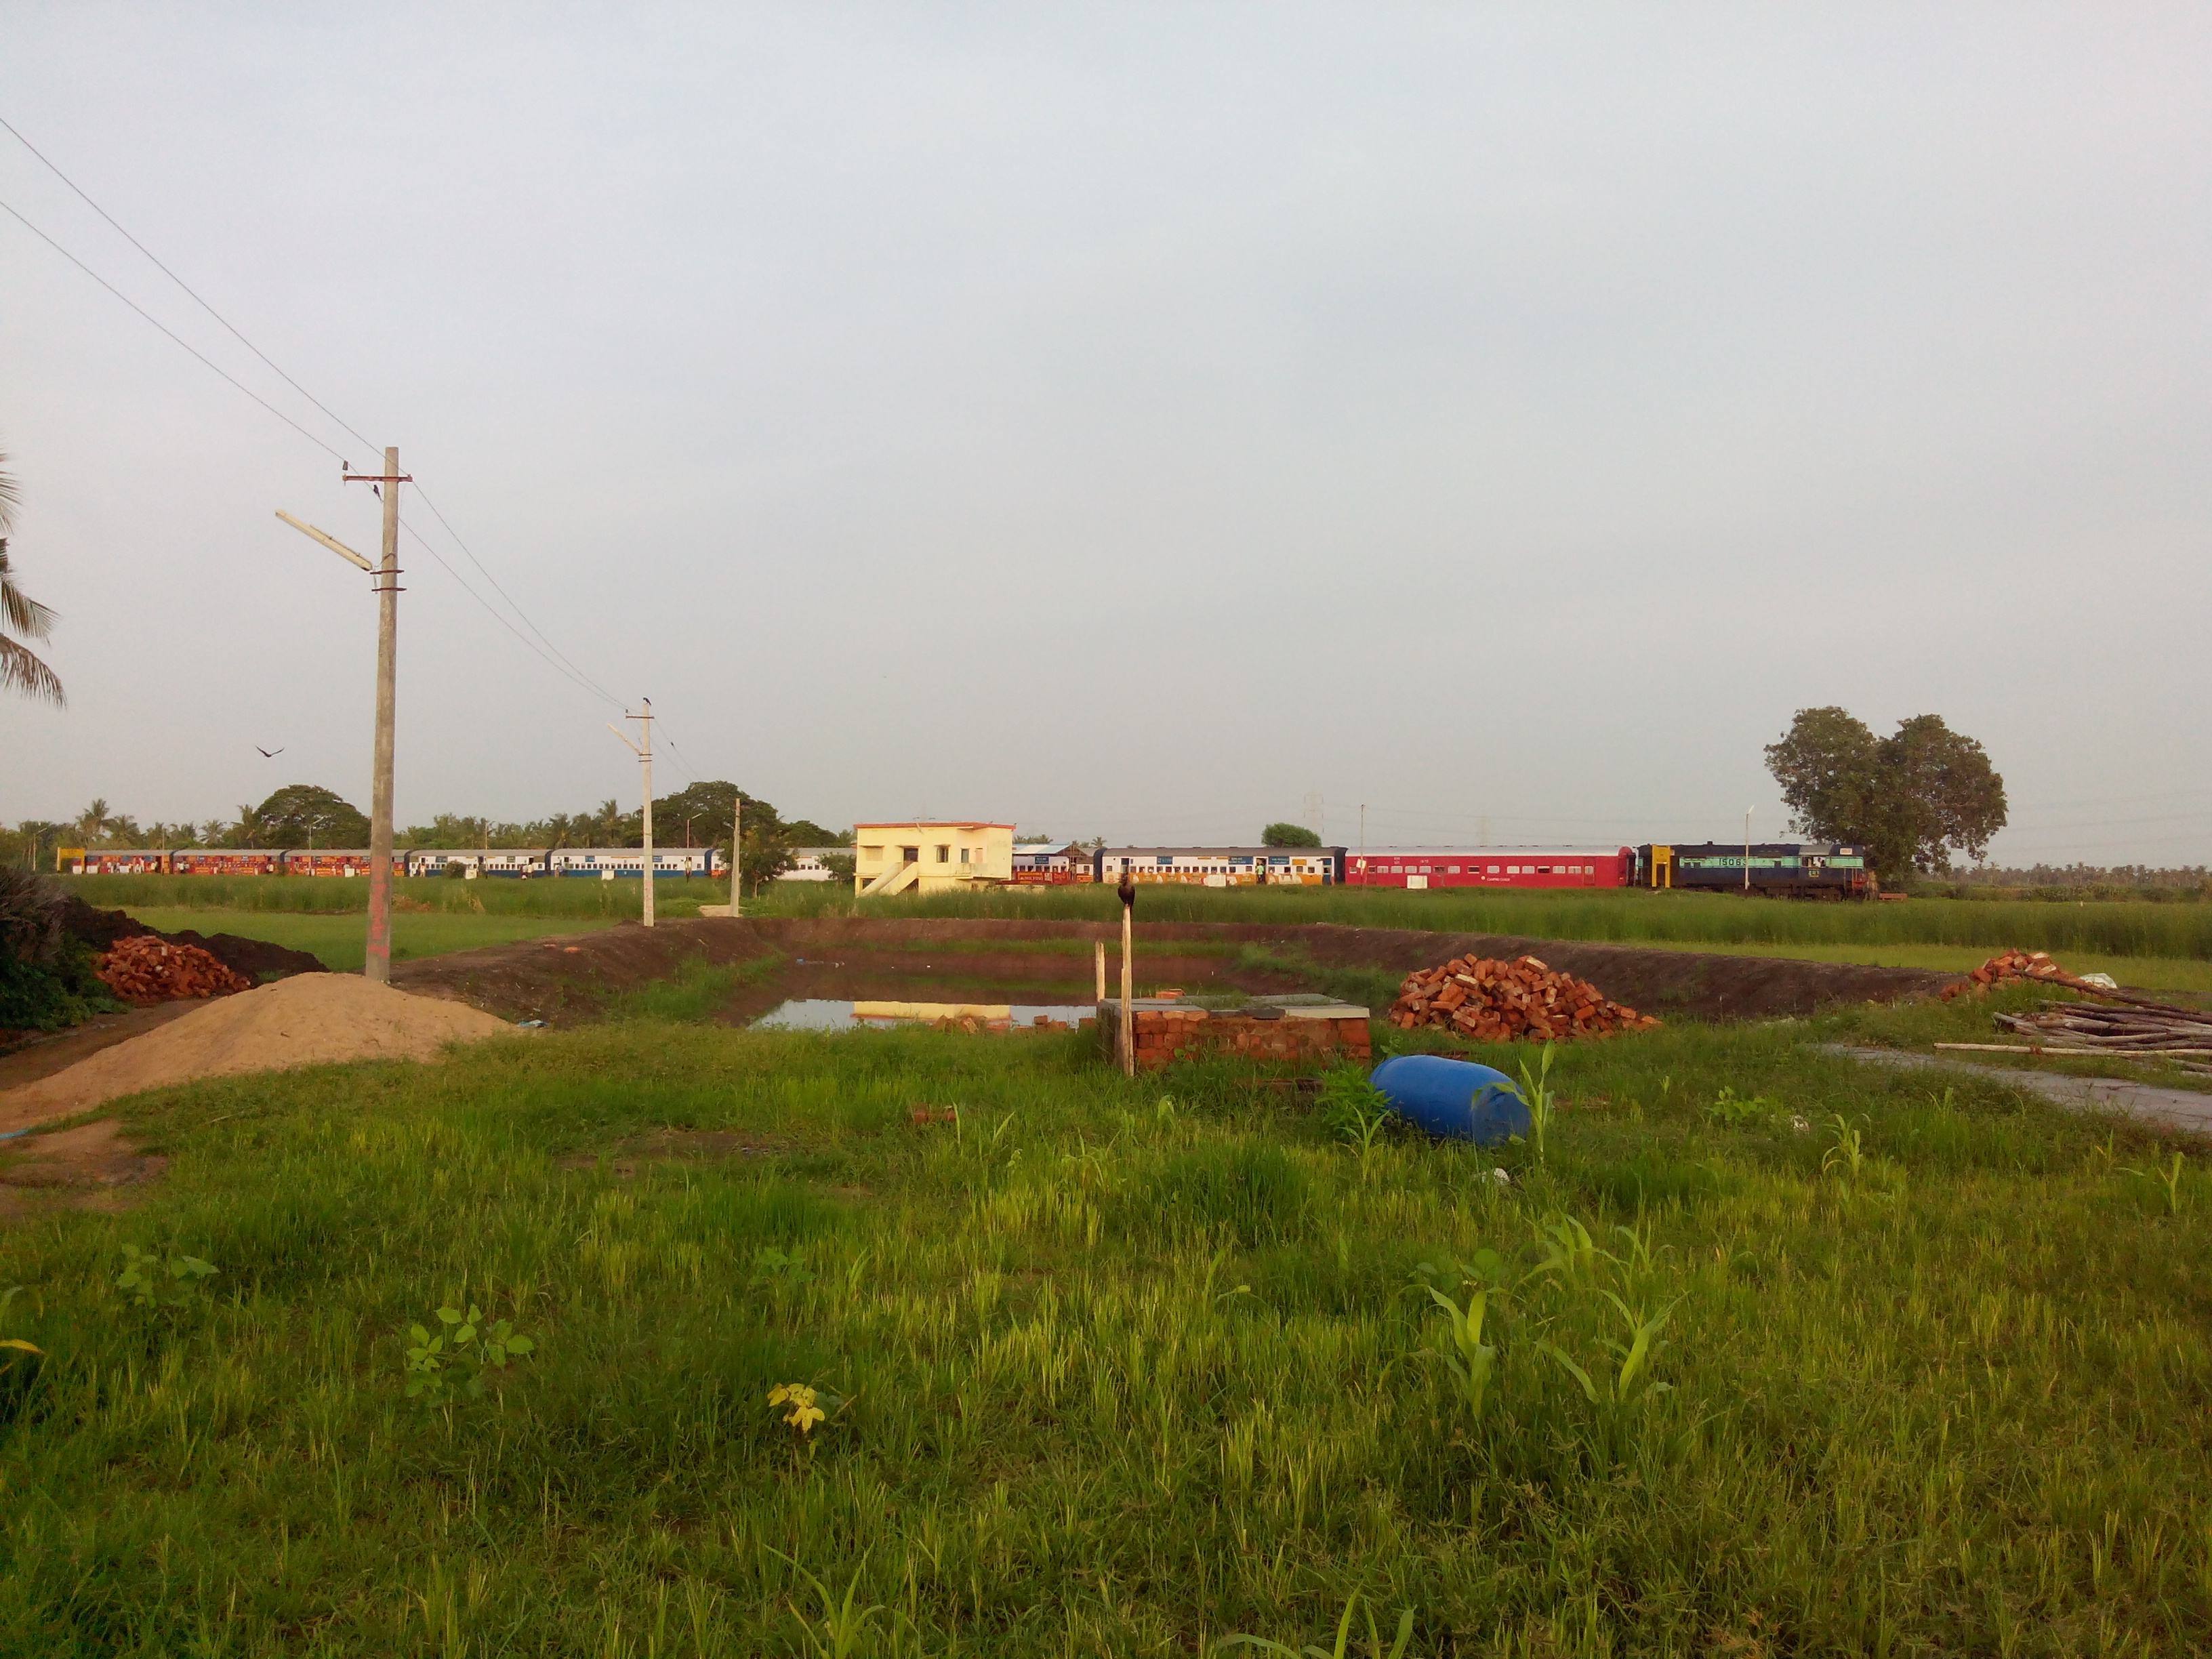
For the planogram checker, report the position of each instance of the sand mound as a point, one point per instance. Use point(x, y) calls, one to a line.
point(313, 1020)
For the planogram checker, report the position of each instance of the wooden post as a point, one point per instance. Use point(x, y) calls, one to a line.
point(1128, 893)
point(1101, 966)
point(377, 965)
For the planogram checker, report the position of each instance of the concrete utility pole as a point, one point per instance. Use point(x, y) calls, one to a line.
point(738, 854)
point(1747, 849)
point(645, 759)
point(377, 964)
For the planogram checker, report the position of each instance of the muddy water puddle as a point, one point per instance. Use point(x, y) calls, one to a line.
point(819, 993)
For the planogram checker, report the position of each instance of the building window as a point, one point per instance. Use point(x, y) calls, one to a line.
point(944, 854)
point(963, 855)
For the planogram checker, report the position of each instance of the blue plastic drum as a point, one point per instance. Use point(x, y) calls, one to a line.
point(1453, 1099)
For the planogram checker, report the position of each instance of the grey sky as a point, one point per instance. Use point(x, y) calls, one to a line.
point(1128, 419)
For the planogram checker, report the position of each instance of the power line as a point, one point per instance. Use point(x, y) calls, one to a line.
point(459, 581)
point(181, 281)
point(425, 494)
point(172, 333)
point(565, 665)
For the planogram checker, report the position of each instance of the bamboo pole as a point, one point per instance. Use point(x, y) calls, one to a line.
point(2061, 1048)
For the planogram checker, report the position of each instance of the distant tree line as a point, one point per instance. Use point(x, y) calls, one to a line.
point(302, 815)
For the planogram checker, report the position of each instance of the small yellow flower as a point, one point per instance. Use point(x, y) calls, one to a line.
point(804, 1413)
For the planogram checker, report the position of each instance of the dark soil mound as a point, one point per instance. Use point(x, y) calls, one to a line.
point(98, 928)
point(255, 959)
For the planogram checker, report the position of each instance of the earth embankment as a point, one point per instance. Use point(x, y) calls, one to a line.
point(571, 980)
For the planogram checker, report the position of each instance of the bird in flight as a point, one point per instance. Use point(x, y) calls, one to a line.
point(267, 754)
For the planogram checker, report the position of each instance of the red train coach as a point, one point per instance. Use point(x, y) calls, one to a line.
point(224, 861)
point(130, 862)
point(1420, 867)
point(352, 861)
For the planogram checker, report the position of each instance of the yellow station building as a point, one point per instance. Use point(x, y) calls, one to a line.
point(930, 857)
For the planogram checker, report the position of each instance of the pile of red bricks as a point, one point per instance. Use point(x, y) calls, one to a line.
point(146, 968)
point(2008, 967)
point(1166, 1035)
point(1497, 1001)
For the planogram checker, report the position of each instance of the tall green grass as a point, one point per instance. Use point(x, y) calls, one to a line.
point(1115, 1367)
point(2109, 929)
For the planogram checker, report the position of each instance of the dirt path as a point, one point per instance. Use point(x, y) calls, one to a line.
point(2169, 1109)
point(42, 1056)
point(567, 980)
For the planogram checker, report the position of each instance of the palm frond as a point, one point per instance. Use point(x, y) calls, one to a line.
point(18, 612)
point(22, 672)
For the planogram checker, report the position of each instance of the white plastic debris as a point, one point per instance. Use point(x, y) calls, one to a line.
point(1501, 1178)
point(2102, 982)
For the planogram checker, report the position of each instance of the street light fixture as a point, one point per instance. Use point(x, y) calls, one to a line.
point(376, 963)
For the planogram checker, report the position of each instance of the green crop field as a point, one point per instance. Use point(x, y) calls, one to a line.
point(340, 939)
point(1778, 1356)
point(2118, 928)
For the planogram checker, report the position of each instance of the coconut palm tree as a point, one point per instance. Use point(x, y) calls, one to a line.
point(19, 670)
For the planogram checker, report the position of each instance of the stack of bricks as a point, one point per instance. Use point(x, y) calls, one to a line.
point(1164, 1035)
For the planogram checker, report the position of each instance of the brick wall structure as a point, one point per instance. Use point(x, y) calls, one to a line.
point(1324, 1034)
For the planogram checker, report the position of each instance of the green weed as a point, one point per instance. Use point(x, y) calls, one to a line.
point(465, 1345)
point(165, 1280)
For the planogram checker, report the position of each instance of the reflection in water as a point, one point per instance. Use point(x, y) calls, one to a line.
point(824, 1014)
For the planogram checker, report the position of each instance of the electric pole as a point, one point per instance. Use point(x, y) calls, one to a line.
point(737, 855)
point(377, 964)
point(645, 759)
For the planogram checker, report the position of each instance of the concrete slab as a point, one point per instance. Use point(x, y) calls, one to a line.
point(2172, 1109)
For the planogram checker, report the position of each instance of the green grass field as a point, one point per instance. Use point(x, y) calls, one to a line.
point(328, 896)
point(2152, 972)
point(1114, 1368)
point(340, 938)
point(2118, 928)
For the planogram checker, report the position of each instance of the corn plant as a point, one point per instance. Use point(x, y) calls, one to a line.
point(1847, 1158)
point(2167, 1175)
point(1632, 1382)
point(1356, 1111)
point(1539, 1098)
point(1343, 1648)
point(1472, 1362)
point(160, 1281)
point(844, 1628)
point(1569, 1252)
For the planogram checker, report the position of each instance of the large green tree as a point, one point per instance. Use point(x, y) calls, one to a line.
point(1288, 835)
point(1911, 797)
point(305, 815)
point(20, 614)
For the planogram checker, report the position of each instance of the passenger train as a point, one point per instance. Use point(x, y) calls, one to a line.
point(605, 863)
point(1770, 869)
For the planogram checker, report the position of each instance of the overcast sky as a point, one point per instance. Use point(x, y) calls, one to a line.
point(1126, 419)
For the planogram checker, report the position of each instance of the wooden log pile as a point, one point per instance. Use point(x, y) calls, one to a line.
point(146, 968)
point(2120, 1025)
point(1497, 1001)
point(2007, 968)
